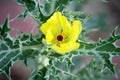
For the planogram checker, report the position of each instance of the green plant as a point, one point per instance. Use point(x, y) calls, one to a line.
point(49, 64)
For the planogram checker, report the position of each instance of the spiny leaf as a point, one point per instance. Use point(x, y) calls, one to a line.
point(40, 75)
point(24, 15)
point(12, 52)
point(107, 62)
point(33, 9)
point(41, 12)
point(55, 5)
point(29, 4)
point(104, 50)
point(21, 47)
point(4, 29)
point(94, 67)
point(50, 6)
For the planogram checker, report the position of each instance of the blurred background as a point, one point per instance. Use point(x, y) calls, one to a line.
point(104, 15)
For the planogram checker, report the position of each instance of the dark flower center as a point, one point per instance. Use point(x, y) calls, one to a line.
point(59, 37)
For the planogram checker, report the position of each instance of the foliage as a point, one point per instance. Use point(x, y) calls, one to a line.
point(56, 66)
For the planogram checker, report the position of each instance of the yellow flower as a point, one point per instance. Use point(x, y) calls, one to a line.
point(60, 34)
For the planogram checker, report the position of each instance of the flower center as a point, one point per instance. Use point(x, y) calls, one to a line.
point(59, 37)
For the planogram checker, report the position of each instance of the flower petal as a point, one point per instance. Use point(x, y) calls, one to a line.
point(66, 47)
point(56, 48)
point(67, 29)
point(49, 37)
point(53, 23)
point(77, 27)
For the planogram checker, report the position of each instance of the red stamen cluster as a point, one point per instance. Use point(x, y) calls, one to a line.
point(59, 37)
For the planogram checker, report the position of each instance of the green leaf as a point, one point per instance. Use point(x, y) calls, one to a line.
point(41, 12)
point(93, 72)
point(24, 15)
point(104, 50)
point(51, 6)
point(19, 48)
point(5, 28)
point(108, 62)
point(29, 4)
point(48, 8)
point(39, 75)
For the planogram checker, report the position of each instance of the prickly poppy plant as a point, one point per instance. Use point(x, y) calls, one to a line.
point(60, 49)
